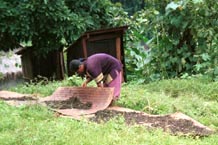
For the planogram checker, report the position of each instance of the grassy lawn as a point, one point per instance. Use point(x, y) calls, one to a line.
point(195, 97)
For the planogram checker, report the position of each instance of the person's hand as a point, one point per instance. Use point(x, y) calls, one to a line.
point(84, 84)
point(100, 85)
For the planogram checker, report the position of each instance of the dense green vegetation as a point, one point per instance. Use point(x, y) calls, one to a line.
point(182, 39)
point(178, 72)
point(196, 97)
point(47, 25)
point(181, 34)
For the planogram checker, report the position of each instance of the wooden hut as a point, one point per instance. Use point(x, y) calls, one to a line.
point(108, 41)
point(50, 66)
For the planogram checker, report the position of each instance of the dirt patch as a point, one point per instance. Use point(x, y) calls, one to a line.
point(167, 123)
point(16, 99)
point(23, 98)
point(69, 104)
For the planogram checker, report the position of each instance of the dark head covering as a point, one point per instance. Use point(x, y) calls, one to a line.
point(74, 65)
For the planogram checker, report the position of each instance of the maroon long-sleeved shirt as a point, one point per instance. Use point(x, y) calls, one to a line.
point(100, 65)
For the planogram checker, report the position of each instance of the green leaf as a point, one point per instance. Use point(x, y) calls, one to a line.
point(198, 67)
point(45, 1)
point(216, 71)
point(205, 56)
point(173, 6)
point(197, 1)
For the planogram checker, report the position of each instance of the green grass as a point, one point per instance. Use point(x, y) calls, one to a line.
point(35, 125)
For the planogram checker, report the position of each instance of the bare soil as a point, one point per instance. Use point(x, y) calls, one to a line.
point(69, 104)
point(167, 123)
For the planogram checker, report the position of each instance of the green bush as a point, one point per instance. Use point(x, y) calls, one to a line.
point(182, 39)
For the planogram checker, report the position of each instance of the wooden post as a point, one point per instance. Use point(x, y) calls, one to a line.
point(118, 54)
point(84, 47)
point(118, 51)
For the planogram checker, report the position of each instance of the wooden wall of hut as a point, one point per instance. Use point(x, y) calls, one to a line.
point(50, 66)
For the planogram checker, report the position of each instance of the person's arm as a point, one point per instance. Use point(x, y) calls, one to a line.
point(88, 79)
point(100, 84)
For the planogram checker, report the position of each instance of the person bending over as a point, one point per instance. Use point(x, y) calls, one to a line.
point(104, 69)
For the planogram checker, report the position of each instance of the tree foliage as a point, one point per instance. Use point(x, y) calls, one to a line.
point(47, 25)
point(182, 38)
point(131, 6)
point(182, 34)
point(187, 38)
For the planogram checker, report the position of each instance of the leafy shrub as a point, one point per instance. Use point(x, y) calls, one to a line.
point(182, 40)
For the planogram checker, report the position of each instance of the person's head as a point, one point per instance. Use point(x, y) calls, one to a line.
point(77, 66)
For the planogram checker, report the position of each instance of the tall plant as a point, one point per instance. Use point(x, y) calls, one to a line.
point(184, 39)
